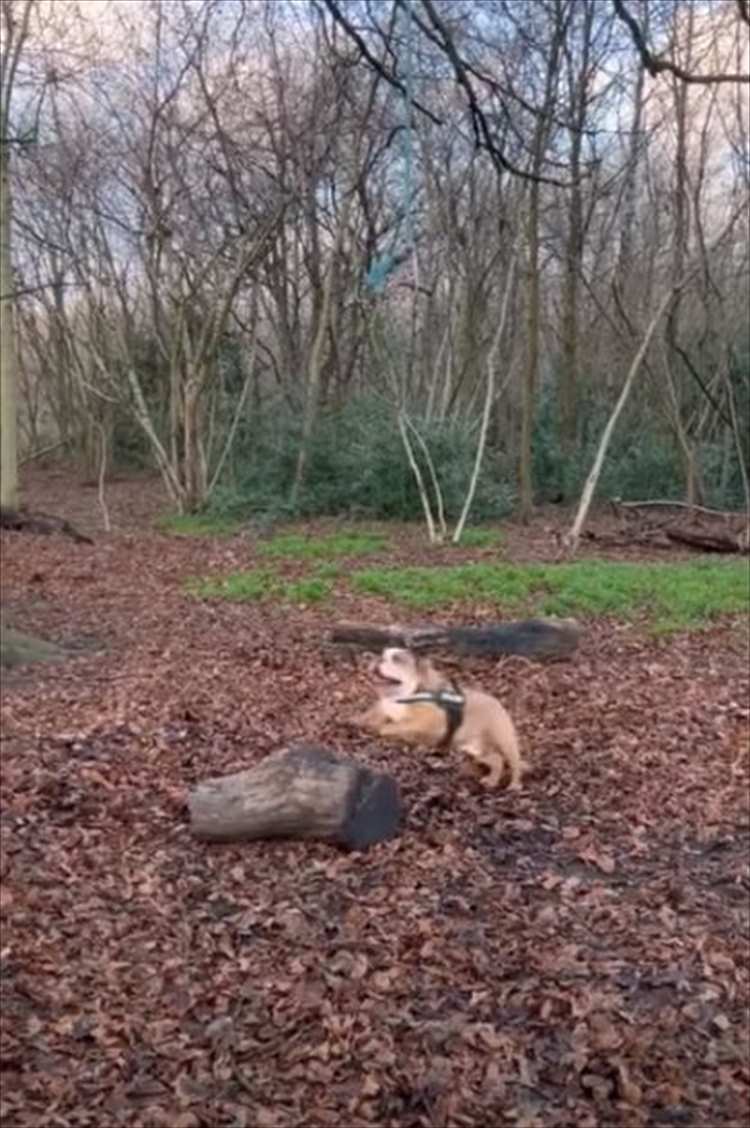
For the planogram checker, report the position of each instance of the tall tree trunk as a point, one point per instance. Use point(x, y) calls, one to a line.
point(568, 389)
point(528, 386)
point(16, 30)
point(632, 177)
point(542, 132)
point(318, 355)
point(8, 358)
point(681, 236)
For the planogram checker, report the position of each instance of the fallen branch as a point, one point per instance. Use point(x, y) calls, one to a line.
point(300, 792)
point(644, 539)
point(729, 515)
point(41, 453)
point(531, 638)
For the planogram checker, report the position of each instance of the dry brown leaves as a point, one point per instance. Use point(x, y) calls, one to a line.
point(577, 955)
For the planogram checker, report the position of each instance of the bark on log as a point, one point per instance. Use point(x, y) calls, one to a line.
point(304, 791)
point(540, 639)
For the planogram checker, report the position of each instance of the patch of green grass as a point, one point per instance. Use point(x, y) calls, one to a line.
point(247, 587)
point(480, 538)
point(198, 525)
point(328, 571)
point(312, 590)
point(296, 546)
point(671, 596)
point(238, 587)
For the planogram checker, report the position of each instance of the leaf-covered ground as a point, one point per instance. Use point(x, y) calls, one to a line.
point(576, 955)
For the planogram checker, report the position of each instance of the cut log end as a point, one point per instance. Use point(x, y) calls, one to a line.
point(304, 791)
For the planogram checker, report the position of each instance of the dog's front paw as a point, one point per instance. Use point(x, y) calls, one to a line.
point(490, 783)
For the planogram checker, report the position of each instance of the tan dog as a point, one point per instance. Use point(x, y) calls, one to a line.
point(420, 706)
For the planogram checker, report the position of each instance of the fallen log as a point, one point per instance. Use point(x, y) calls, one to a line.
point(540, 639)
point(639, 540)
point(22, 522)
point(707, 542)
point(304, 791)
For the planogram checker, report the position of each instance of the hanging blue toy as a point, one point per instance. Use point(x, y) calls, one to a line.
point(379, 272)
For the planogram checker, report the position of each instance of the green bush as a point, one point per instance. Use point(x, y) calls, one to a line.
point(643, 460)
point(357, 466)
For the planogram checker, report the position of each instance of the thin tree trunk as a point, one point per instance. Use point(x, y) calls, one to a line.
point(426, 507)
point(249, 378)
point(693, 485)
point(572, 538)
point(488, 401)
point(440, 507)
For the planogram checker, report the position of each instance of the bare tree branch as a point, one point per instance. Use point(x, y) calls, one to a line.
point(482, 130)
point(655, 65)
point(373, 61)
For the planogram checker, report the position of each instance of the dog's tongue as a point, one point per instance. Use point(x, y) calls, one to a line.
point(388, 687)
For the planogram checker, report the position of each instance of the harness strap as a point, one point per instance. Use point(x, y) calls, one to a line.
point(451, 701)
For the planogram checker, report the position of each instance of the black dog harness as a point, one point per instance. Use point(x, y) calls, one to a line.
point(451, 701)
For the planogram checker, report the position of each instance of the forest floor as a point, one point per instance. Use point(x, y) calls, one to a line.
point(573, 955)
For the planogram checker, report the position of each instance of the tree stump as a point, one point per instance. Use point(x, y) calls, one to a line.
point(300, 792)
point(540, 639)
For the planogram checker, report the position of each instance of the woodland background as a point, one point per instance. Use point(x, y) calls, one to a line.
point(266, 248)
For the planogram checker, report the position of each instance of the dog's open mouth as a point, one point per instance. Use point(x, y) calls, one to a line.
point(387, 684)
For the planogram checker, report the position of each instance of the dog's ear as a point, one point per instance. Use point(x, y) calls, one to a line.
point(424, 668)
point(399, 659)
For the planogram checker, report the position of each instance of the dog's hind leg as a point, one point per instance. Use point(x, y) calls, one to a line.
point(508, 741)
point(493, 760)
